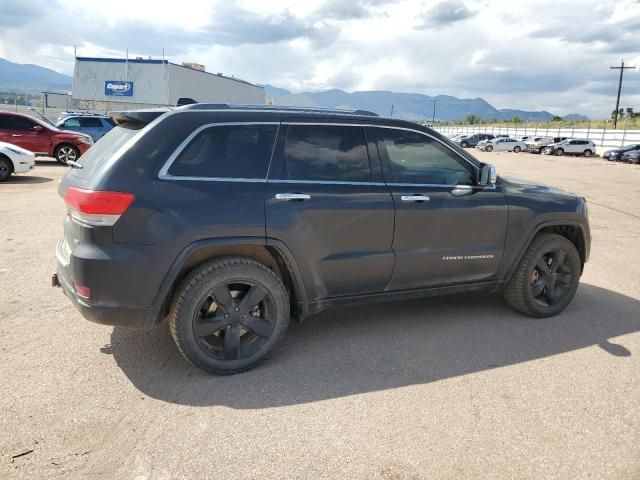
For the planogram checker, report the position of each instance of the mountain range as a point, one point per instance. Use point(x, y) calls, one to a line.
point(19, 78)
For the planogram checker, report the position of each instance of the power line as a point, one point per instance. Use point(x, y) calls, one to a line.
point(622, 68)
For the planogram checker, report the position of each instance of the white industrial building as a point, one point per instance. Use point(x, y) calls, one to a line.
point(156, 82)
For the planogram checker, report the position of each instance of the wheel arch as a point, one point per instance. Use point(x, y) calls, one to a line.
point(276, 256)
point(571, 230)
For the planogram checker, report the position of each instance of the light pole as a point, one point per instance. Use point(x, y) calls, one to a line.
point(433, 120)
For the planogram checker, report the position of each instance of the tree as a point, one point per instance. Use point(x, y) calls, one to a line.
point(621, 113)
point(516, 119)
point(556, 118)
point(472, 119)
point(630, 112)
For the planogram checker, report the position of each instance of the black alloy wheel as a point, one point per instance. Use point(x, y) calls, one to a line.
point(234, 320)
point(228, 315)
point(551, 279)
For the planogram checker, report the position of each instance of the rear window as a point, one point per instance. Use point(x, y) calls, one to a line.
point(99, 153)
point(227, 151)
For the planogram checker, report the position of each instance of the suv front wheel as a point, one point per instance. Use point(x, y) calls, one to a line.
point(546, 278)
point(229, 315)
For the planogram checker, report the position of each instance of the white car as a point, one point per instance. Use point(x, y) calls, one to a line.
point(504, 145)
point(14, 159)
point(574, 146)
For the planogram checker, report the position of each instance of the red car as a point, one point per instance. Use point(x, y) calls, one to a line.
point(41, 138)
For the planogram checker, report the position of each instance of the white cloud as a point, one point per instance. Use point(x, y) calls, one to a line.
point(513, 54)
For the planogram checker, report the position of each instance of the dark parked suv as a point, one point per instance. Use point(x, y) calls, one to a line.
point(473, 140)
point(230, 220)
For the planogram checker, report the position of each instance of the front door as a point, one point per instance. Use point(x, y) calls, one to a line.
point(327, 204)
point(448, 229)
point(27, 133)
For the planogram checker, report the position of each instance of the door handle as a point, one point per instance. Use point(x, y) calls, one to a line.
point(414, 198)
point(15, 135)
point(292, 197)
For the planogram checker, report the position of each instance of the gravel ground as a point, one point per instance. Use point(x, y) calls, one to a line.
point(451, 387)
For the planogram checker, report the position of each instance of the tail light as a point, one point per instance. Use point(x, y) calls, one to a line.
point(96, 208)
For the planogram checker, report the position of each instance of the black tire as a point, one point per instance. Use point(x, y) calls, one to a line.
point(538, 294)
point(237, 337)
point(6, 168)
point(587, 153)
point(65, 152)
point(464, 144)
point(488, 148)
point(559, 152)
point(516, 149)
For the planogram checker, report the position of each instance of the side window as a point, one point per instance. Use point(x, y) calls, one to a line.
point(416, 158)
point(326, 153)
point(227, 151)
point(72, 122)
point(19, 123)
point(89, 122)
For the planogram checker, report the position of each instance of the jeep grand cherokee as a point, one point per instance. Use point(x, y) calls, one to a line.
point(228, 221)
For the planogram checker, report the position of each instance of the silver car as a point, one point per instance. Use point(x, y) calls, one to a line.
point(503, 145)
point(572, 146)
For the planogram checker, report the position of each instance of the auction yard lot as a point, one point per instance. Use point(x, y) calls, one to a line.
point(450, 387)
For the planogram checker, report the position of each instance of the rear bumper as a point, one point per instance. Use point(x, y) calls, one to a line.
point(114, 315)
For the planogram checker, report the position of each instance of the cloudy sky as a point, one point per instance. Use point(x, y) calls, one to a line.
point(530, 54)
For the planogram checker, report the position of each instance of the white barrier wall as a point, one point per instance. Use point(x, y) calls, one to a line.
point(603, 138)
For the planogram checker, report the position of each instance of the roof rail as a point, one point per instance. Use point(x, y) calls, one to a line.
point(290, 108)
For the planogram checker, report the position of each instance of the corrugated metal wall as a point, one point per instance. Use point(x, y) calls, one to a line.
point(150, 80)
point(210, 88)
point(156, 82)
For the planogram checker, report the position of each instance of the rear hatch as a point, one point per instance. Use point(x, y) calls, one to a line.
point(91, 212)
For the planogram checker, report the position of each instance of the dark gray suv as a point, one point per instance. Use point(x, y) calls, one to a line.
point(228, 221)
point(473, 140)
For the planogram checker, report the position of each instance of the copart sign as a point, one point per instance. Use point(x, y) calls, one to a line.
point(117, 88)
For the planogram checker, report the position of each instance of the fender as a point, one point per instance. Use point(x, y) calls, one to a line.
point(534, 231)
point(169, 279)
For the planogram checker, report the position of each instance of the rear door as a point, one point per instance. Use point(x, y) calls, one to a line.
point(448, 229)
point(326, 202)
point(91, 126)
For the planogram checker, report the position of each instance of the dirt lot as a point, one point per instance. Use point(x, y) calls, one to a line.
point(457, 387)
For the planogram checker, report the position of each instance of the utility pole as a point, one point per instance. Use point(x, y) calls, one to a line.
point(622, 68)
point(391, 116)
point(433, 120)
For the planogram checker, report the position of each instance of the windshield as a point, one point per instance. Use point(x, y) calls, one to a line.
point(45, 124)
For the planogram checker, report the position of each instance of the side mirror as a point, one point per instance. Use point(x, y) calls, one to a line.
point(38, 128)
point(488, 175)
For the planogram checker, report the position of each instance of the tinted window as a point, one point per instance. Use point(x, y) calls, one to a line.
point(9, 122)
point(416, 158)
point(90, 122)
point(227, 151)
point(72, 122)
point(329, 153)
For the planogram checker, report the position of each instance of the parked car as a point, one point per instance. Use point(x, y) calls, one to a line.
point(230, 220)
point(93, 125)
point(472, 140)
point(617, 154)
point(539, 145)
point(41, 138)
point(631, 156)
point(571, 146)
point(64, 115)
point(524, 139)
point(504, 145)
point(14, 159)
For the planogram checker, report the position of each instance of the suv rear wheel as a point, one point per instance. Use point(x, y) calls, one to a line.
point(229, 315)
point(65, 152)
point(546, 278)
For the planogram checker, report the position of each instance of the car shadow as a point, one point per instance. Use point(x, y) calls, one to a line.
point(26, 179)
point(380, 346)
